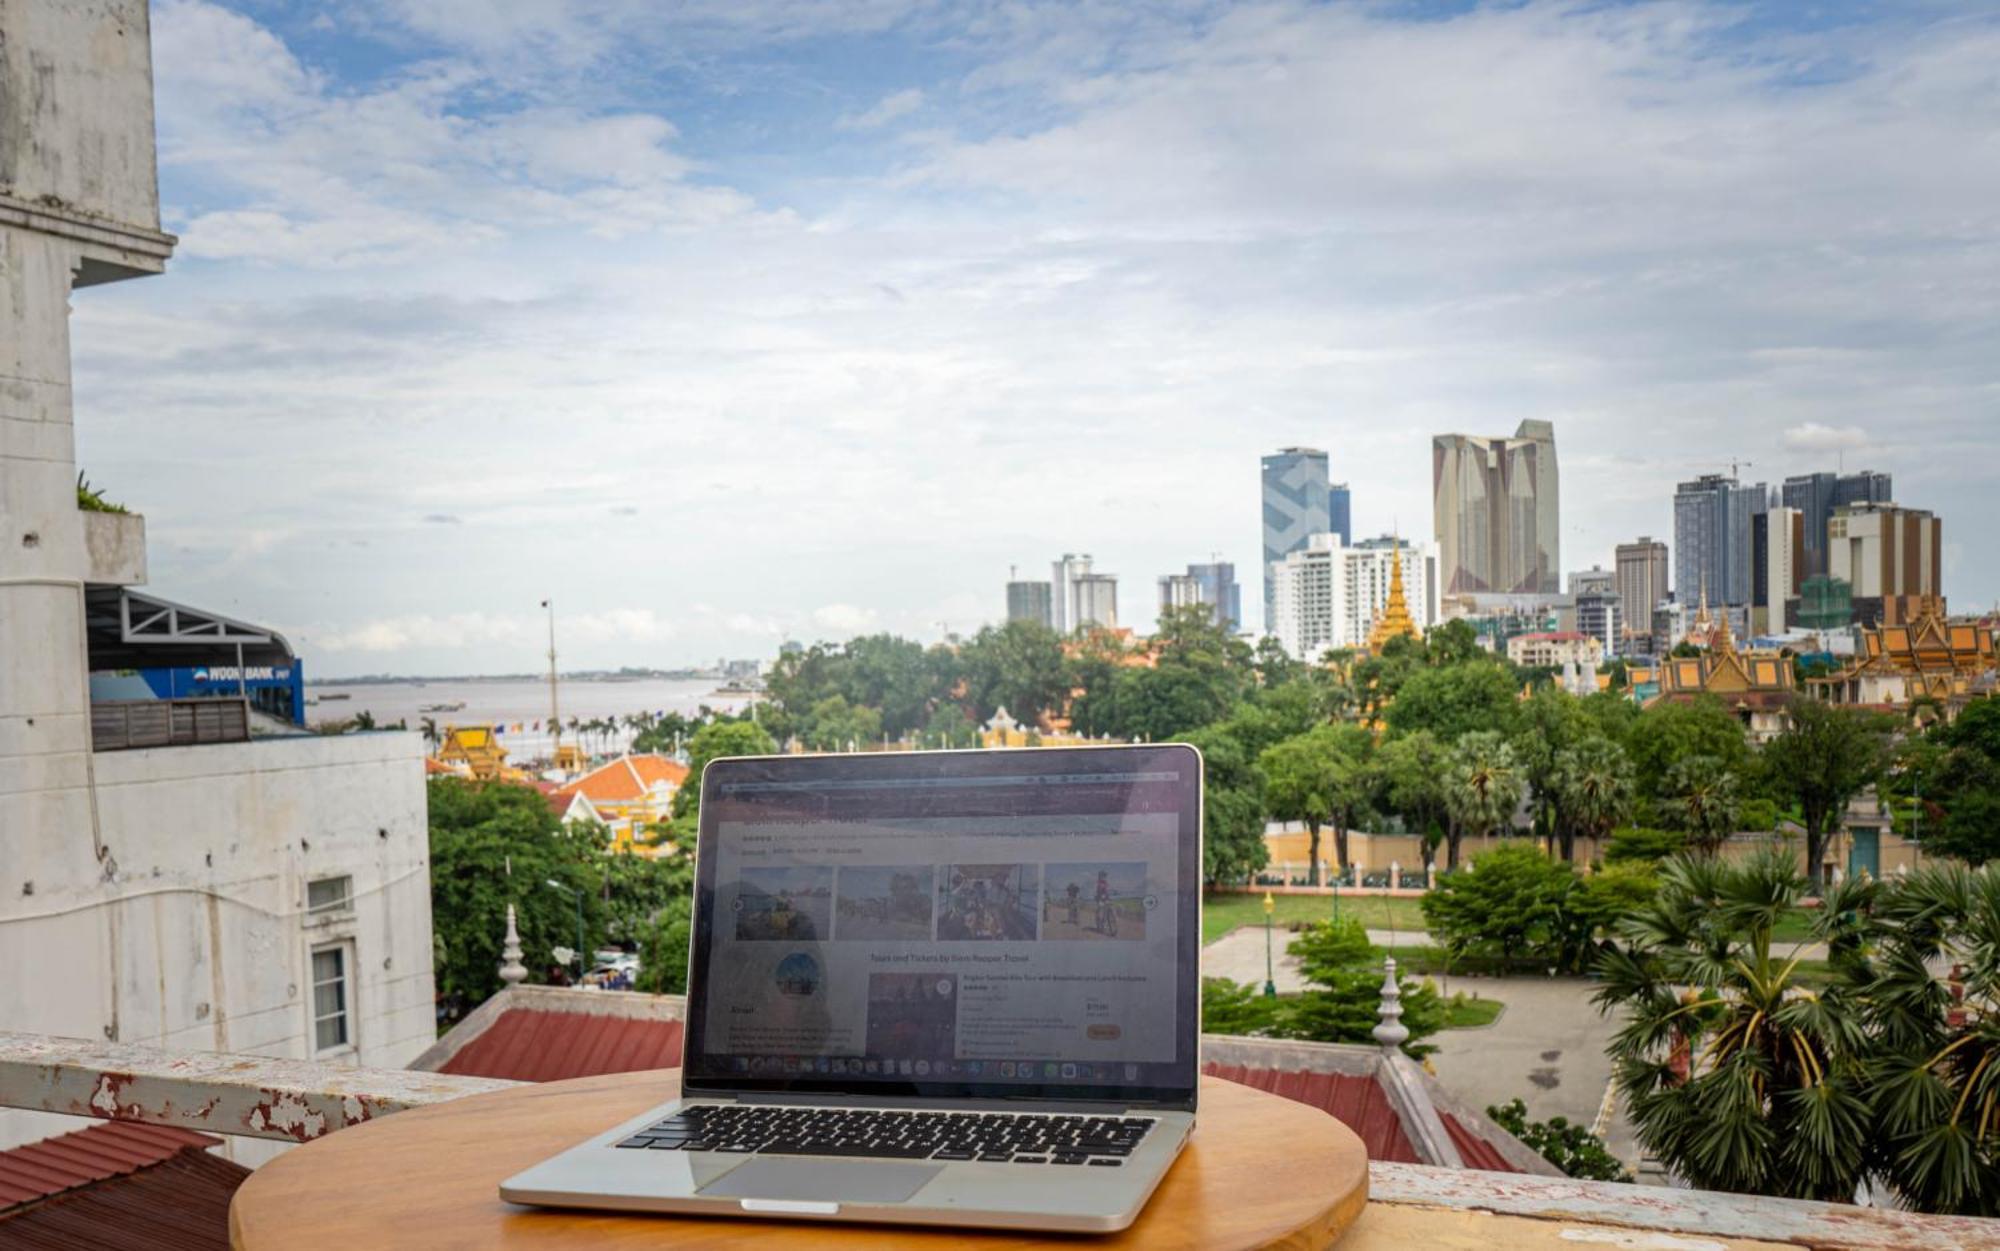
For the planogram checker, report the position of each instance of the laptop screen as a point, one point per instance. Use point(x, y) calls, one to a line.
point(988, 924)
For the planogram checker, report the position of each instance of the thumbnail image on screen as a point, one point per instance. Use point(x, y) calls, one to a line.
point(888, 902)
point(1094, 901)
point(912, 1015)
point(990, 902)
point(785, 905)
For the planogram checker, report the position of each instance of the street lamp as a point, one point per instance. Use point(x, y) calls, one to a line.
point(576, 895)
point(1270, 982)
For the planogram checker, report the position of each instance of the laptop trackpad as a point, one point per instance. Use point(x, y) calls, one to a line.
point(836, 1181)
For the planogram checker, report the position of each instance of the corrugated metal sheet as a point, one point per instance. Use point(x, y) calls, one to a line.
point(94, 1153)
point(180, 1203)
point(1474, 1150)
point(528, 1045)
point(1360, 1103)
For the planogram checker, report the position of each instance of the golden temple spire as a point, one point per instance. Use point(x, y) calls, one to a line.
point(1395, 618)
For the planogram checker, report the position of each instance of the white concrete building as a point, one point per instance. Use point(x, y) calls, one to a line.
point(1552, 649)
point(196, 888)
point(1328, 595)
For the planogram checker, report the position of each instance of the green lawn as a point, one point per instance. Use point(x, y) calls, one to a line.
point(1462, 1011)
point(1224, 912)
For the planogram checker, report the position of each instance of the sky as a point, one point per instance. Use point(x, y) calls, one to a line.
point(732, 321)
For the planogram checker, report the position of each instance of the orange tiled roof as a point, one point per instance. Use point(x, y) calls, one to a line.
point(625, 779)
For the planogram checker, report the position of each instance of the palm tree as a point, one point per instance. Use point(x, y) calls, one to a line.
point(1594, 784)
point(1935, 1041)
point(1737, 1077)
point(429, 726)
point(1482, 788)
point(1701, 801)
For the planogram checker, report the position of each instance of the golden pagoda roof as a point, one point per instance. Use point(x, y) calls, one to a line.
point(1395, 618)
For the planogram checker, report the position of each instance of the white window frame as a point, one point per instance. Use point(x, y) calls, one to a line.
point(344, 904)
point(346, 981)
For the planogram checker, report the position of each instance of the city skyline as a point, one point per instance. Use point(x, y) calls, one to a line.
point(630, 308)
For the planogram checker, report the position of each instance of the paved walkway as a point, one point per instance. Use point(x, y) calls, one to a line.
point(1547, 1048)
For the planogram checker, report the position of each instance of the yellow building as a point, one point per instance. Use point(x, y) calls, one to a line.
point(1945, 663)
point(1756, 686)
point(474, 749)
point(626, 795)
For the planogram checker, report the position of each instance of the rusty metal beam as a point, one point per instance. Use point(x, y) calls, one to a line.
point(254, 1096)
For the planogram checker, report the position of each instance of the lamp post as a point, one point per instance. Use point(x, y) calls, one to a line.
point(577, 896)
point(1270, 980)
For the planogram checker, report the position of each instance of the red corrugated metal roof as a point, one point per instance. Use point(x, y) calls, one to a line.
point(1474, 1150)
point(180, 1203)
point(1360, 1103)
point(530, 1045)
point(91, 1154)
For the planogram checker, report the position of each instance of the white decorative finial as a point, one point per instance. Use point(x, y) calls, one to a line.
point(1391, 1033)
point(512, 971)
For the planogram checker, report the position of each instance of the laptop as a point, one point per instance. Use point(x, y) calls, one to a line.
point(948, 988)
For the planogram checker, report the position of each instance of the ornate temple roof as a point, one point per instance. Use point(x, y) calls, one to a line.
point(1395, 618)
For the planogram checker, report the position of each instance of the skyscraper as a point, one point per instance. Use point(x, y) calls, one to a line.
point(1031, 601)
point(1777, 568)
point(1340, 512)
point(1330, 595)
point(1212, 584)
point(1062, 590)
point(1295, 507)
point(1096, 601)
point(1640, 576)
point(1712, 539)
point(1495, 507)
point(1891, 557)
point(1818, 495)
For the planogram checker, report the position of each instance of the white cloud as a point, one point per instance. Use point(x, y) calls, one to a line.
point(891, 107)
point(514, 275)
point(1810, 436)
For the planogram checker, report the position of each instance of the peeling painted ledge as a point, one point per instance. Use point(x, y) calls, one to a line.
point(256, 1096)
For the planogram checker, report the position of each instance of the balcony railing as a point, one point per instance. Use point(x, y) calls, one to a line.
point(116, 725)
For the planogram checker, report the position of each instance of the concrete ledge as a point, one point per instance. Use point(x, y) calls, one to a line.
point(114, 547)
point(255, 1096)
point(1662, 1210)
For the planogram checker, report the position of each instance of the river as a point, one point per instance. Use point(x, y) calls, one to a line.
point(520, 705)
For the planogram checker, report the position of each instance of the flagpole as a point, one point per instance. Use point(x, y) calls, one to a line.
point(555, 712)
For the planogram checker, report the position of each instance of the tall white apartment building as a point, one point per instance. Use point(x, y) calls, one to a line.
point(179, 872)
point(1328, 595)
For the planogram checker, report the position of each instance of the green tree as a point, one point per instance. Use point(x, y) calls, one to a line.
point(950, 727)
point(1508, 907)
point(1822, 759)
point(1410, 781)
point(1699, 799)
point(1233, 1008)
point(1232, 806)
point(1639, 845)
point(1671, 731)
point(1950, 779)
point(1571, 1148)
point(1482, 789)
point(1551, 722)
point(492, 844)
point(1934, 1049)
point(1593, 782)
point(714, 741)
point(1456, 701)
point(1318, 778)
point(1018, 666)
point(833, 724)
point(1736, 1077)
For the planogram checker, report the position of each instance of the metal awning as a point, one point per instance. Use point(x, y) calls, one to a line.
point(130, 629)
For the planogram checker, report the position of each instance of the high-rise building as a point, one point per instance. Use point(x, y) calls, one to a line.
point(1340, 512)
point(1495, 507)
point(1328, 595)
point(1712, 540)
point(1212, 584)
point(1818, 495)
point(1295, 508)
point(1599, 615)
point(1031, 601)
point(1640, 571)
point(1062, 590)
point(1777, 560)
point(1890, 557)
point(1096, 601)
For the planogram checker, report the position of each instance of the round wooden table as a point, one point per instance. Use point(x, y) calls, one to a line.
point(1260, 1171)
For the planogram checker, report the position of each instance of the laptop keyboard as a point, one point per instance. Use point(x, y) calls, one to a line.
point(993, 1137)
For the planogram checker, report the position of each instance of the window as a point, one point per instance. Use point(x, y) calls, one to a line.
point(331, 1029)
point(330, 894)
